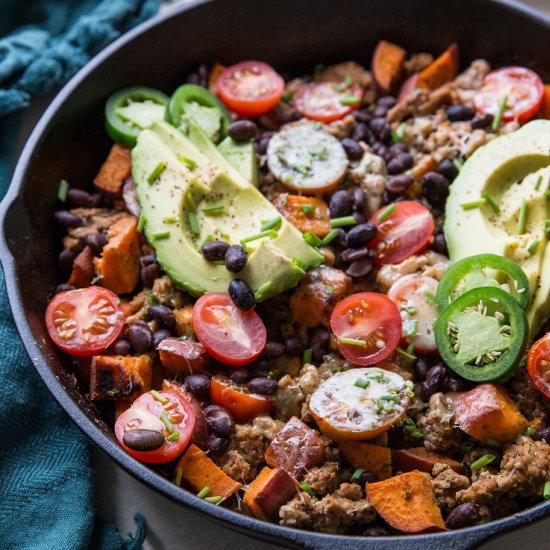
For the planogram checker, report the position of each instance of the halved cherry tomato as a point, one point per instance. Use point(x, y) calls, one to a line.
point(85, 321)
point(145, 414)
point(237, 399)
point(522, 88)
point(328, 101)
point(368, 327)
point(250, 87)
point(538, 365)
point(306, 213)
point(229, 334)
point(413, 295)
point(402, 231)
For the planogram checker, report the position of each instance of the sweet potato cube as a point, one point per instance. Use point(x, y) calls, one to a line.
point(387, 64)
point(370, 457)
point(83, 269)
point(182, 356)
point(184, 321)
point(420, 458)
point(441, 70)
point(199, 471)
point(407, 503)
point(545, 106)
point(295, 448)
point(116, 168)
point(268, 492)
point(119, 266)
point(120, 376)
point(487, 412)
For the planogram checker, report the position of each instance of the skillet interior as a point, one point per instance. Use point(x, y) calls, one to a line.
point(70, 143)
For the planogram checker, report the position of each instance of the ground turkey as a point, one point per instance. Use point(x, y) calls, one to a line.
point(335, 513)
point(293, 392)
point(528, 399)
point(446, 484)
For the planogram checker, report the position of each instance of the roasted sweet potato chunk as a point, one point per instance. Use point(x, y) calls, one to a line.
point(182, 356)
point(184, 321)
point(442, 70)
point(370, 457)
point(420, 458)
point(387, 64)
point(83, 270)
point(113, 172)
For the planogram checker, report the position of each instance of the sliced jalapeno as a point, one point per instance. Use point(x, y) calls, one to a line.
point(483, 270)
point(482, 334)
point(208, 112)
point(129, 111)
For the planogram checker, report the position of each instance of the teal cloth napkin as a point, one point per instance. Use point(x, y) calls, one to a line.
point(46, 480)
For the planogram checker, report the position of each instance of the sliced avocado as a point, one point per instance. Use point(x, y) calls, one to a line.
point(207, 118)
point(510, 169)
point(242, 156)
point(191, 183)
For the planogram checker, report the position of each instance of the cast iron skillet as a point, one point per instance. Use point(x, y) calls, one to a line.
point(70, 142)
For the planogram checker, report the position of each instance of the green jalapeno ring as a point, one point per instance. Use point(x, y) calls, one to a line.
point(470, 271)
point(482, 334)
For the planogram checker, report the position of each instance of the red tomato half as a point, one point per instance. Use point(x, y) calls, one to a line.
point(84, 321)
point(145, 413)
point(406, 230)
point(522, 88)
point(538, 365)
point(229, 334)
point(369, 317)
point(328, 101)
point(250, 87)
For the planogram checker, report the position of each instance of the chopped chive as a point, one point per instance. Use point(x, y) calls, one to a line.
point(412, 328)
point(270, 374)
point(537, 183)
point(204, 491)
point(213, 500)
point(350, 100)
point(387, 212)
point(141, 222)
point(531, 431)
point(187, 161)
point(317, 126)
point(157, 235)
point(390, 397)
point(498, 117)
point(306, 488)
point(473, 204)
point(299, 263)
point(157, 171)
point(411, 310)
point(158, 397)
point(430, 298)
point(522, 217)
point(214, 209)
point(307, 208)
point(341, 222)
point(286, 97)
point(166, 422)
point(415, 434)
point(338, 87)
point(307, 356)
point(491, 203)
point(193, 223)
point(267, 233)
point(406, 354)
point(546, 491)
point(62, 190)
point(173, 437)
point(348, 80)
point(376, 376)
point(275, 223)
point(399, 134)
point(533, 247)
point(353, 342)
point(481, 462)
point(329, 238)
point(466, 446)
point(190, 202)
point(362, 383)
point(179, 474)
point(312, 239)
point(170, 219)
point(492, 442)
point(459, 163)
point(357, 475)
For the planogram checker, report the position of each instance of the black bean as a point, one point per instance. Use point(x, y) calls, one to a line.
point(440, 244)
point(380, 149)
point(368, 477)
point(482, 121)
point(421, 367)
point(259, 369)
point(387, 101)
point(204, 74)
point(457, 113)
point(319, 337)
point(341, 239)
point(241, 294)
point(140, 336)
point(359, 198)
point(263, 386)
point(121, 347)
point(492, 450)
point(163, 315)
point(360, 268)
point(454, 384)
point(362, 133)
point(363, 115)
point(545, 435)
point(143, 440)
point(351, 254)
point(360, 217)
point(217, 444)
point(214, 251)
point(464, 515)
point(159, 336)
point(353, 150)
point(66, 259)
point(260, 145)
point(398, 148)
point(240, 376)
point(67, 219)
point(272, 350)
point(235, 258)
point(96, 241)
point(341, 204)
point(376, 532)
point(400, 163)
point(219, 421)
point(379, 111)
point(294, 346)
point(400, 183)
point(77, 197)
point(64, 287)
point(98, 200)
point(381, 129)
point(242, 130)
point(362, 234)
point(149, 274)
point(448, 169)
point(434, 381)
point(435, 188)
point(148, 260)
point(197, 384)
